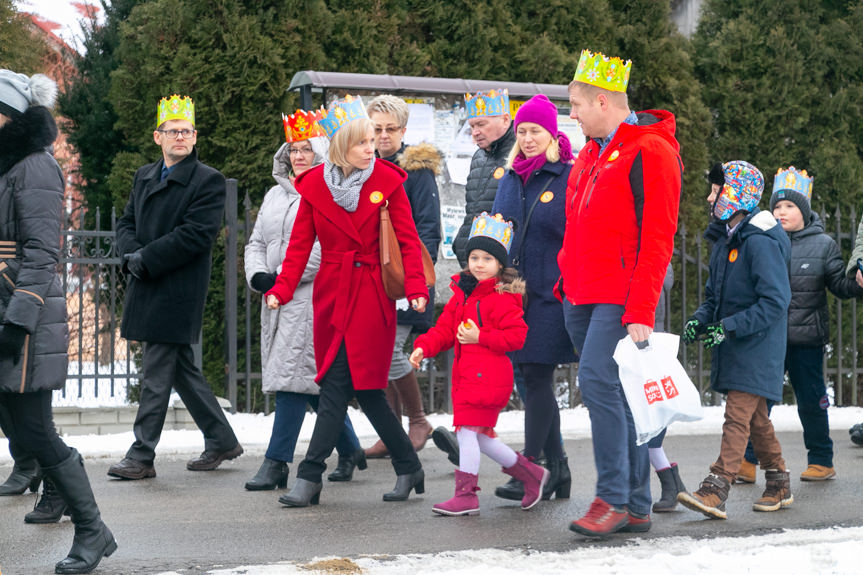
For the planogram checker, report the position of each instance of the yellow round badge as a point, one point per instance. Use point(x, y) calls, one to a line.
point(498, 174)
point(546, 197)
point(376, 197)
point(613, 156)
point(732, 256)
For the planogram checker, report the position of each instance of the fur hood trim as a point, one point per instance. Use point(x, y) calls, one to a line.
point(32, 131)
point(419, 157)
point(516, 286)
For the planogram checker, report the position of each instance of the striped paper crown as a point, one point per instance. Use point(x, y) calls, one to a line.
point(491, 103)
point(794, 181)
point(175, 108)
point(603, 72)
point(302, 125)
point(494, 227)
point(340, 113)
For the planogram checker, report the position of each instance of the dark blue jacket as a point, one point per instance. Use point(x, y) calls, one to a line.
point(534, 254)
point(749, 291)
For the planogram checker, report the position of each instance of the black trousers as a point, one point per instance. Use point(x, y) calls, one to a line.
point(168, 365)
point(337, 389)
point(541, 413)
point(29, 424)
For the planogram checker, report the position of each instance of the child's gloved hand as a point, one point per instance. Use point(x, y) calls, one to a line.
point(692, 330)
point(416, 358)
point(714, 334)
point(468, 332)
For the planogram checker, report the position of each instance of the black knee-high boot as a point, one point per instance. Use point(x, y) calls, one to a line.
point(93, 540)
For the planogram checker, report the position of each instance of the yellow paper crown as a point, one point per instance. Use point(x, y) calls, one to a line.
point(302, 125)
point(603, 72)
point(175, 107)
point(341, 112)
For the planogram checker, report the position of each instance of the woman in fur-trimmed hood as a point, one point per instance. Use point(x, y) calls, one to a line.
point(33, 333)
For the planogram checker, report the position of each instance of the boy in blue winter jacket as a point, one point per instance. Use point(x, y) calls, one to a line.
point(744, 319)
point(816, 264)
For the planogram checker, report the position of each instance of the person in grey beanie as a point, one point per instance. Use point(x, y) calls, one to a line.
point(33, 331)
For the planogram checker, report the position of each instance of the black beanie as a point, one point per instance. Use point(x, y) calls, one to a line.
point(489, 245)
point(800, 200)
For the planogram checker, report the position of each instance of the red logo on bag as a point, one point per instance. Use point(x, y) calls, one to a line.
point(669, 387)
point(652, 392)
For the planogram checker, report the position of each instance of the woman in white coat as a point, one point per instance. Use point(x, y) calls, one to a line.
point(287, 353)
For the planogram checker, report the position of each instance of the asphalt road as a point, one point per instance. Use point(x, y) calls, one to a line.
point(190, 522)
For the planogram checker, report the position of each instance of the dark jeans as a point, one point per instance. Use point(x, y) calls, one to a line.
point(168, 365)
point(336, 391)
point(805, 367)
point(656, 442)
point(288, 420)
point(622, 467)
point(541, 413)
point(29, 425)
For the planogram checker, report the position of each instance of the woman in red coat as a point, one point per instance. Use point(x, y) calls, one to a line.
point(354, 320)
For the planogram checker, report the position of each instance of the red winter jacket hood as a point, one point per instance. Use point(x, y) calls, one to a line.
point(621, 217)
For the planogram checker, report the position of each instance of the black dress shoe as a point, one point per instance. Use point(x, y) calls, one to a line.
point(22, 478)
point(272, 474)
point(345, 469)
point(404, 484)
point(129, 468)
point(446, 441)
point(512, 490)
point(302, 493)
point(209, 460)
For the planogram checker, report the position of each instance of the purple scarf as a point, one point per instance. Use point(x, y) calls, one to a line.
point(525, 167)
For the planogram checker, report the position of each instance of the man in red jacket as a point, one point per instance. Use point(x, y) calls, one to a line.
point(621, 215)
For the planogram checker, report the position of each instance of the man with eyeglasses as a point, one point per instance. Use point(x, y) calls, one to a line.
point(165, 238)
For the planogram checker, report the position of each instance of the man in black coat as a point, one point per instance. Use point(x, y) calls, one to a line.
point(166, 237)
point(491, 130)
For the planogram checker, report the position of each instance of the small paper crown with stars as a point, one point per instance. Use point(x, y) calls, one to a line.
point(175, 107)
point(492, 234)
point(340, 113)
point(302, 125)
point(599, 70)
point(491, 103)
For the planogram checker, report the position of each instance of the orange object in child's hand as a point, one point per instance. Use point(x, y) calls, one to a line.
point(466, 324)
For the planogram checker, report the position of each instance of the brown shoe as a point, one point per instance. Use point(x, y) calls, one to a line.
point(377, 451)
point(129, 468)
point(746, 473)
point(777, 494)
point(419, 429)
point(710, 497)
point(817, 473)
point(209, 460)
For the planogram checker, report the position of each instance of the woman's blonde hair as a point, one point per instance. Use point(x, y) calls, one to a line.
point(552, 152)
point(346, 138)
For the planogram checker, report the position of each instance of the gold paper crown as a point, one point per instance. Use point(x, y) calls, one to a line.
point(340, 113)
point(175, 107)
point(302, 125)
point(491, 103)
point(603, 72)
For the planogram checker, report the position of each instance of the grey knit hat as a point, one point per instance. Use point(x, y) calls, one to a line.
point(18, 92)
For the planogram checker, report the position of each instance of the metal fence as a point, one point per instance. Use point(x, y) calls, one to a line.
point(102, 364)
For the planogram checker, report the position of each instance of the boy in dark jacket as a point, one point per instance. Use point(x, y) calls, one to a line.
point(744, 321)
point(815, 264)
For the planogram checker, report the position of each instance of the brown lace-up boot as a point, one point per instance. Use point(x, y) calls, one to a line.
point(777, 494)
point(710, 497)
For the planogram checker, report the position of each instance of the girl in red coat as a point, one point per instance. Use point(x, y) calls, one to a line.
point(354, 320)
point(484, 320)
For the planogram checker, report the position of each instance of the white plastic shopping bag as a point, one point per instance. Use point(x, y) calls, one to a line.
point(656, 385)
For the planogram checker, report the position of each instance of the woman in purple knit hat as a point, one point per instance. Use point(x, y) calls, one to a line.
point(532, 193)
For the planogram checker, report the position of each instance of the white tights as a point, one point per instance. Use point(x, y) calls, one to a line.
point(471, 444)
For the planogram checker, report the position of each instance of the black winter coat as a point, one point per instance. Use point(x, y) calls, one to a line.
point(174, 223)
point(816, 264)
point(486, 170)
point(422, 163)
point(31, 297)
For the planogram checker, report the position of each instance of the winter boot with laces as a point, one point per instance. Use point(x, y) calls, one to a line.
point(669, 479)
point(777, 494)
point(465, 501)
point(710, 497)
point(50, 508)
point(601, 519)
